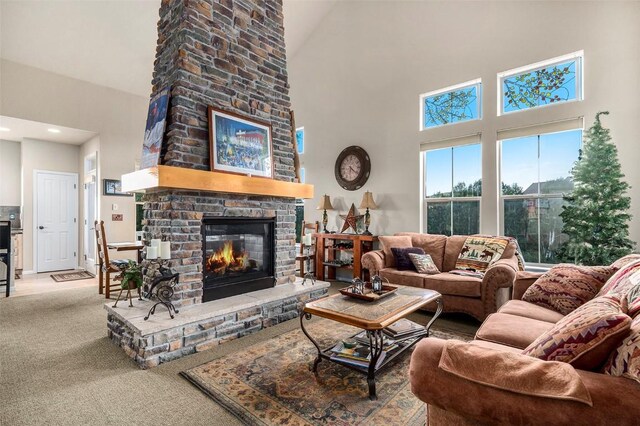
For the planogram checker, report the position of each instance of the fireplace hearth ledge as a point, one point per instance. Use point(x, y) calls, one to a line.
point(203, 326)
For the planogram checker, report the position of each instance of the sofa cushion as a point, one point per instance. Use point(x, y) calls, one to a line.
point(565, 287)
point(454, 285)
point(432, 244)
point(524, 376)
point(625, 359)
point(403, 261)
point(387, 242)
point(529, 310)
point(410, 278)
point(451, 252)
point(511, 330)
point(496, 346)
point(479, 252)
point(585, 337)
point(623, 280)
point(423, 264)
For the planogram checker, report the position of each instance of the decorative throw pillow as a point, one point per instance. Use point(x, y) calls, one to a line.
point(403, 262)
point(565, 287)
point(633, 301)
point(388, 242)
point(586, 336)
point(479, 252)
point(424, 264)
point(625, 360)
point(625, 260)
point(622, 281)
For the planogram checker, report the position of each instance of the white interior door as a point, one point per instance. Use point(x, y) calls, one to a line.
point(56, 221)
point(90, 215)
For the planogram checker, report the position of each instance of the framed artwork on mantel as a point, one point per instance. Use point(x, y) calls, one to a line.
point(239, 144)
point(154, 130)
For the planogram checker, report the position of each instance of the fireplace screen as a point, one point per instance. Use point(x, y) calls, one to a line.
point(238, 256)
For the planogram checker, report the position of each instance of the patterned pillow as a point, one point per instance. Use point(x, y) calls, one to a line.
point(403, 263)
point(625, 360)
point(424, 264)
point(565, 287)
point(625, 260)
point(633, 300)
point(586, 336)
point(479, 252)
point(623, 280)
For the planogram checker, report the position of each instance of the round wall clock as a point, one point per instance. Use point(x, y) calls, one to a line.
point(353, 167)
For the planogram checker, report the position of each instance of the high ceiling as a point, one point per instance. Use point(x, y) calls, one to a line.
point(111, 43)
point(16, 129)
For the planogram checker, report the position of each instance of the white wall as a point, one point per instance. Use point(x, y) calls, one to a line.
point(357, 79)
point(118, 118)
point(44, 156)
point(9, 173)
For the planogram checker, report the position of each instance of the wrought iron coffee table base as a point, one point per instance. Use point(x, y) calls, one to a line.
point(376, 340)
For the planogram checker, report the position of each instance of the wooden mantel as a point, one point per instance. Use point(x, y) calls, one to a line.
point(167, 177)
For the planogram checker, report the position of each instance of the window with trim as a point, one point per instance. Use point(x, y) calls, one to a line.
point(452, 189)
point(300, 139)
point(300, 202)
point(545, 83)
point(535, 172)
point(454, 104)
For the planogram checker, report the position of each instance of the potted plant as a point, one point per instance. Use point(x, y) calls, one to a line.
point(130, 278)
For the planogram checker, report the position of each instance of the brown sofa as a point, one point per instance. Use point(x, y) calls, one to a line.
point(453, 400)
point(474, 296)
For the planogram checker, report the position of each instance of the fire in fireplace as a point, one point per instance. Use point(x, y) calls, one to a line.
point(238, 256)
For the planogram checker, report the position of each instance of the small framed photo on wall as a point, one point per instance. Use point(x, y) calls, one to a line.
point(113, 187)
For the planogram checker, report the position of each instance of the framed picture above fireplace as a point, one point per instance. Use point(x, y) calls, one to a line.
point(239, 144)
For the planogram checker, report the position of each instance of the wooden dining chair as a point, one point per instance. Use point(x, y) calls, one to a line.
point(307, 228)
point(106, 266)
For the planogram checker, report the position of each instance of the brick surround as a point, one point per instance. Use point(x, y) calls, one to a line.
point(229, 54)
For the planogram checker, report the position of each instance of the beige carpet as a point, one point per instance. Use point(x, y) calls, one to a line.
point(57, 367)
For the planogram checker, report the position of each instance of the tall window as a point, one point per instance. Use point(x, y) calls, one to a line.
point(300, 202)
point(545, 83)
point(453, 186)
point(453, 104)
point(535, 172)
point(300, 139)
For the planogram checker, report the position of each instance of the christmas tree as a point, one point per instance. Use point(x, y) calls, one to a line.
point(596, 217)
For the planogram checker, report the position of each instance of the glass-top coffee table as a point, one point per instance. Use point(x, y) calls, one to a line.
point(373, 317)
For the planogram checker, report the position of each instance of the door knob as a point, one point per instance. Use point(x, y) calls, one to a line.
point(40, 227)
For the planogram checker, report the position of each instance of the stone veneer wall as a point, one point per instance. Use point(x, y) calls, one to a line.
point(177, 215)
point(229, 54)
point(175, 342)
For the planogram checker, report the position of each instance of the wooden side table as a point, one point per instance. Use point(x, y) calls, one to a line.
point(326, 253)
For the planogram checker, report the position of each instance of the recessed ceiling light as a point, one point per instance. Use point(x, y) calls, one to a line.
point(53, 130)
point(4, 129)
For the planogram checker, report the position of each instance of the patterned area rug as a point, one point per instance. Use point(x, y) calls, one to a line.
point(270, 383)
point(71, 276)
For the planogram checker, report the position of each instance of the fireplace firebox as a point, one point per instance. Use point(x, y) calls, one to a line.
point(238, 255)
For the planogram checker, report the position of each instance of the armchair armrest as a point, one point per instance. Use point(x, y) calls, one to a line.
point(523, 281)
point(614, 398)
point(373, 261)
point(500, 275)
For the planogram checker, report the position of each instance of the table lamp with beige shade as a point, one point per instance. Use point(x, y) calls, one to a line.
point(325, 204)
point(369, 204)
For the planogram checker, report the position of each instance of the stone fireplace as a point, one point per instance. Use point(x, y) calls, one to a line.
point(238, 256)
point(228, 54)
point(232, 236)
